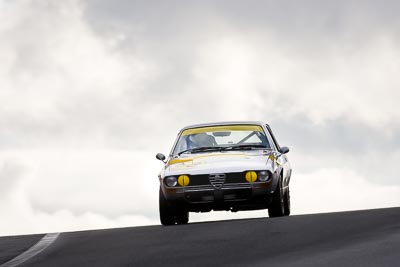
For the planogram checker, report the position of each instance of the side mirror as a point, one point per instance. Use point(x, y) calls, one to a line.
point(284, 150)
point(160, 156)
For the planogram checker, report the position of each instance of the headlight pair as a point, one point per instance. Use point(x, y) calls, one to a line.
point(182, 180)
point(262, 176)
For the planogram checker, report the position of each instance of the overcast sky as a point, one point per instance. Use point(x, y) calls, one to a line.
point(90, 91)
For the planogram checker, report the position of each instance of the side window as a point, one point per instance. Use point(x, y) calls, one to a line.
point(273, 137)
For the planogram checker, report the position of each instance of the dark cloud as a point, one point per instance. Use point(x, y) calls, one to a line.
point(341, 143)
point(303, 22)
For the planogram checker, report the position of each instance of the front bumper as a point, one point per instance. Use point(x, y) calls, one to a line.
point(232, 196)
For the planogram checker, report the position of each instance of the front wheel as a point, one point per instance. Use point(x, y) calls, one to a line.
point(287, 202)
point(277, 208)
point(167, 211)
point(182, 216)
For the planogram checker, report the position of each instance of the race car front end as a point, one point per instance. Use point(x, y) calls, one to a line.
point(220, 191)
point(244, 182)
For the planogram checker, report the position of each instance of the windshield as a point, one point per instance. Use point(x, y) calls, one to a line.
point(221, 138)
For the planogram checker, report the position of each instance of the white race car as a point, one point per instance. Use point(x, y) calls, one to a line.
point(224, 166)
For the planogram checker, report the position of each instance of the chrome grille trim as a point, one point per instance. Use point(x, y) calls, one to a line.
point(237, 185)
point(217, 179)
point(197, 188)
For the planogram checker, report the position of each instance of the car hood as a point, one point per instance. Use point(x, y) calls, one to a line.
point(221, 162)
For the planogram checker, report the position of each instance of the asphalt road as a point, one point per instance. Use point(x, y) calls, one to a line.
point(357, 238)
point(11, 246)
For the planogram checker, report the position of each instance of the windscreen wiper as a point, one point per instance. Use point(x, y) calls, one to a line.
point(200, 149)
point(244, 146)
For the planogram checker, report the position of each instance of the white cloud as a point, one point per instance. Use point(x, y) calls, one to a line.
point(349, 81)
point(110, 182)
point(58, 75)
point(44, 192)
point(327, 190)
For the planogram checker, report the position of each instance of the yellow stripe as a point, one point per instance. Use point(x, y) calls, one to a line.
point(174, 161)
point(222, 129)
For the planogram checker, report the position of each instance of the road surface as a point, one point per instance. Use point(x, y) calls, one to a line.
point(356, 238)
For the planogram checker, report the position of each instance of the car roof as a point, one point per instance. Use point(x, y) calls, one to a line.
point(223, 123)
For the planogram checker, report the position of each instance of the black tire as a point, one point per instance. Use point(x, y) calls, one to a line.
point(182, 216)
point(287, 202)
point(277, 207)
point(167, 211)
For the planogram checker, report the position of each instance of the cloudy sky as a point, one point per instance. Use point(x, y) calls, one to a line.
point(91, 90)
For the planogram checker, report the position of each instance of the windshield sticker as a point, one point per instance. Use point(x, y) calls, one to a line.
point(255, 128)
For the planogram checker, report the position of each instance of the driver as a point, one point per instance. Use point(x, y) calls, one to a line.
point(202, 140)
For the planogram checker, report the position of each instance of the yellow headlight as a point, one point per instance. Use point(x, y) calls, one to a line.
point(251, 176)
point(183, 180)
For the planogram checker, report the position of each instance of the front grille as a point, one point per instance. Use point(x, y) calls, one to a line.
point(235, 177)
point(217, 180)
point(230, 178)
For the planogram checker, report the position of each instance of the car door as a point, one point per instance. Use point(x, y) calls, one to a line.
point(281, 159)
